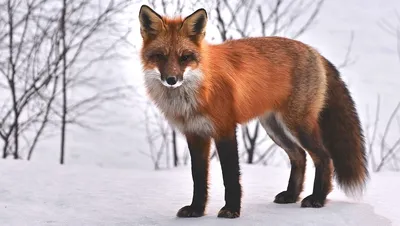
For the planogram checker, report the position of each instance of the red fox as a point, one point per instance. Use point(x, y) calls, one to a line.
point(206, 90)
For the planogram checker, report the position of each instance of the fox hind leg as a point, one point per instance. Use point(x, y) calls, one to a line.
point(312, 141)
point(306, 132)
point(278, 132)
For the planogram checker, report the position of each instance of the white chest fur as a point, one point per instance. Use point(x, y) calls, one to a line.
point(180, 102)
point(198, 124)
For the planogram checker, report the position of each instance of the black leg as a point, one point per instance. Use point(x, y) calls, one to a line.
point(229, 159)
point(199, 148)
point(311, 140)
point(296, 179)
point(297, 156)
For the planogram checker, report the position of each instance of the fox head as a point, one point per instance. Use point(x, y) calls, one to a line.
point(171, 47)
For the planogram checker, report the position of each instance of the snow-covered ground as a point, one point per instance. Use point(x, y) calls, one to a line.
point(34, 194)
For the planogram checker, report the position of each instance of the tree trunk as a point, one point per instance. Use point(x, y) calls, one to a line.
point(64, 84)
point(175, 148)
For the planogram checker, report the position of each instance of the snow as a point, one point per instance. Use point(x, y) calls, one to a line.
point(35, 194)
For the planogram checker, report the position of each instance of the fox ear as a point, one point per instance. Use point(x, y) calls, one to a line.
point(151, 23)
point(194, 25)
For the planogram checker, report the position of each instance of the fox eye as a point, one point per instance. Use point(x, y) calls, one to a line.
point(158, 56)
point(186, 57)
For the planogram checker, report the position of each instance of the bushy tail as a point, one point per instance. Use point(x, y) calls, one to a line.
point(343, 136)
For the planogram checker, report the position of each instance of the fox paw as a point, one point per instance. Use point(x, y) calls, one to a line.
point(313, 201)
point(227, 212)
point(190, 211)
point(285, 197)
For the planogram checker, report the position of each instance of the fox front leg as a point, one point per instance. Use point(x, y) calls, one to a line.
point(199, 148)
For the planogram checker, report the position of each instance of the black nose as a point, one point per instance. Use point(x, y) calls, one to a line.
point(171, 80)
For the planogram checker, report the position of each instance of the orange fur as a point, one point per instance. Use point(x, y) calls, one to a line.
point(242, 85)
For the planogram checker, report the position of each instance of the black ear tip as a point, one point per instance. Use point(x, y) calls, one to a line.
point(203, 11)
point(144, 6)
point(148, 10)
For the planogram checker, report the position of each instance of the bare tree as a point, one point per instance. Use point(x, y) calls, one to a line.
point(371, 138)
point(46, 50)
point(347, 61)
point(64, 79)
point(250, 141)
point(80, 32)
point(277, 17)
point(157, 135)
point(21, 46)
point(387, 152)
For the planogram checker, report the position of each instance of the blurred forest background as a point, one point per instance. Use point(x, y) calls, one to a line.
point(71, 86)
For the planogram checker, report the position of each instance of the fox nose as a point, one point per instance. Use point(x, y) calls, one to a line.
point(171, 80)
